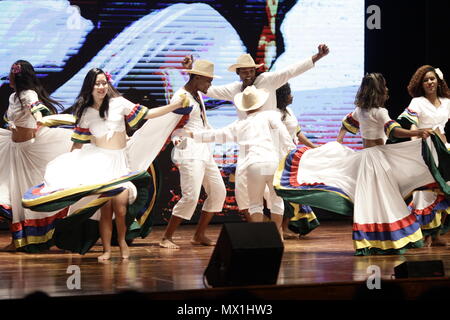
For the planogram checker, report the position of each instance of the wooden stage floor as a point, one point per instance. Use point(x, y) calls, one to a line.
point(324, 256)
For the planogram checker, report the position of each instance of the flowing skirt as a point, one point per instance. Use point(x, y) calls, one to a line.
point(23, 165)
point(370, 184)
point(79, 183)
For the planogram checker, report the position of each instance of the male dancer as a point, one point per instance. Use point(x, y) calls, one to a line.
point(246, 68)
point(195, 162)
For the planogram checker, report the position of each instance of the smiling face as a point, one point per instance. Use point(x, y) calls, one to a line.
point(100, 87)
point(430, 83)
point(247, 76)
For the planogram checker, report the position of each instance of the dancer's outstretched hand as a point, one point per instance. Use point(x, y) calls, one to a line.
point(187, 62)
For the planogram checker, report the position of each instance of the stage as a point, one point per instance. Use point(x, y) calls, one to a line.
point(320, 265)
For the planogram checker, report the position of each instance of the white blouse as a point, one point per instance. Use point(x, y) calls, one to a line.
point(120, 110)
point(428, 115)
point(374, 123)
point(22, 116)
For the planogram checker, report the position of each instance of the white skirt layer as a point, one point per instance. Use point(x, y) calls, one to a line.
point(23, 163)
point(376, 179)
point(86, 166)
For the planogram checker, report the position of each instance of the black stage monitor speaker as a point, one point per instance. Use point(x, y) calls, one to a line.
point(417, 269)
point(245, 254)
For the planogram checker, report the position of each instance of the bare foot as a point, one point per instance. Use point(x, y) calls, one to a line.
point(202, 241)
point(289, 235)
point(105, 256)
point(438, 242)
point(167, 243)
point(427, 241)
point(9, 248)
point(124, 251)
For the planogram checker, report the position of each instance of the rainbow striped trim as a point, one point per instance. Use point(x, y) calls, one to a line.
point(350, 124)
point(387, 236)
point(304, 220)
point(390, 126)
point(410, 116)
point(77, 232)
point(81, 135)
point(38, 106)
point(136, 115)
point(316, 194)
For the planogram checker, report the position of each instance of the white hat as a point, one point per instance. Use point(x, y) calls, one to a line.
point(244, 61)
point(251, 98)
point(203, 68)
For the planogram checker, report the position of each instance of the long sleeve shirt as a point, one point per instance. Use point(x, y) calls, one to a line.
point(262, 137)
point(267, 80)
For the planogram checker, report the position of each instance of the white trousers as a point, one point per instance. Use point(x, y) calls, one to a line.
point(194, 174)
point(241, 193)
point(259, 177)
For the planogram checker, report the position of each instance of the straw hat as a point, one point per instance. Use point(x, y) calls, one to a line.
point(244, 61)
point(203, 68)
point(251, 98)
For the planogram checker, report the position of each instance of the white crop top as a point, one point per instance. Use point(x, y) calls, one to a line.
point(424, 114)
point(120, 109)
point(374, 123)
point(18, 116)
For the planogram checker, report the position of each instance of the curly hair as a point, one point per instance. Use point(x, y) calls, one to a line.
point(282, 94)
point(415, 86)
point(372, 92)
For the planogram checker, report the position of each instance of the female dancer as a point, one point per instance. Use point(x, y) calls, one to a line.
point(371, 183)
point(298, 218)
point(429, 108)
point(99, 154)
point(26, 147)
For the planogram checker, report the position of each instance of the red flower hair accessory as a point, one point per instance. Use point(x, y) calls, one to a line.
point(16, 68)
point(108, 76)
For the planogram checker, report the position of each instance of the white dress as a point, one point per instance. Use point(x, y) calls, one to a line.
point(23, 163)
point(429, 205)
point(371, 184)
point(86, 178)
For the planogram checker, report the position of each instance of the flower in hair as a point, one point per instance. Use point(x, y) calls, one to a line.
point(439, 73)
point(16, 68)
point(108, 76)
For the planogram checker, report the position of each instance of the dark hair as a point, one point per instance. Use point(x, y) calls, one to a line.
point(415, 86)
point(85, 98)
point(372, 92)
point(24, 77)
point(282, 94)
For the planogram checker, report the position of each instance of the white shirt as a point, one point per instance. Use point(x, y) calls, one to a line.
point(190, 149)
point(267, 80)
point(114, 121)
point(22, 116)
point(428, 115)
point(262, 137)
point(372, 122)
